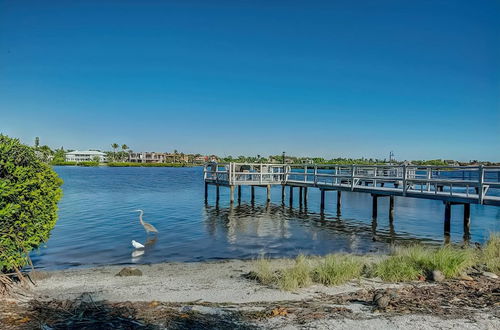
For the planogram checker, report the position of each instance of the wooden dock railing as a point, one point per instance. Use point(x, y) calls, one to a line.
point(462, 184)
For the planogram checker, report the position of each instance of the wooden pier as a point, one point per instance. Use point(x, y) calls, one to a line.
point(454, 185)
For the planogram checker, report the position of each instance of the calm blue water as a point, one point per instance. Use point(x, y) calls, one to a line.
point(96, 225)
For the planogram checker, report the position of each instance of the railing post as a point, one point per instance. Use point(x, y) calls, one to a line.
point(481, 184)
point(429, 177)
point(404, 180)
point(305, 173)
point(353, 168)
point(315, 174)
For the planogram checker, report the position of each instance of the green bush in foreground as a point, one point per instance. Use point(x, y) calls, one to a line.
point(29, 192)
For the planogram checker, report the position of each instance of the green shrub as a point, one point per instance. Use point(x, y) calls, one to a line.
point(29, 192)
point(337, 269)
point(126, 164)
point(87, 164)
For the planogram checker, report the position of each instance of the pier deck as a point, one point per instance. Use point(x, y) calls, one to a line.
point(462, 185)
point(455, 184)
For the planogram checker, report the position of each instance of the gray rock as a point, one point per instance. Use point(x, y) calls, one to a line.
point(437, 276)
point(490, 275)
point(381, 300)
point(129, 271)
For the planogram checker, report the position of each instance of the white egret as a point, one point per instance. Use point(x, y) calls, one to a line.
point(147, 226)
point(137, 245)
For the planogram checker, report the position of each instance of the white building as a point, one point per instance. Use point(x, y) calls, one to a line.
point(85, 156)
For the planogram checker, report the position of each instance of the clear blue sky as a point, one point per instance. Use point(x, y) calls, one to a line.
point(327, 78)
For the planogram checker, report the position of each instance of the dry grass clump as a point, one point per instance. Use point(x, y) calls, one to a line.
point(490, 255)
point(263, 271)
point(337, 269)
point(297, 276)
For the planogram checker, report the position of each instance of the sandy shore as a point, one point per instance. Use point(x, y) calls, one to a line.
point(219, 291)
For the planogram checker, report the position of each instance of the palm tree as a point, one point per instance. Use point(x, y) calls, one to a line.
point(124, 153)
point(114, 146)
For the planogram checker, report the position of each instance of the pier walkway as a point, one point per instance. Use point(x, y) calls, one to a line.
point(463, 185)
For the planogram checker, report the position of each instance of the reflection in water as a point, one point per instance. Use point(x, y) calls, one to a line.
point(137, 254)
point(278, 224)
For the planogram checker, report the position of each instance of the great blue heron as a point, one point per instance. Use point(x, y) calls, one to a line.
point(147, 226)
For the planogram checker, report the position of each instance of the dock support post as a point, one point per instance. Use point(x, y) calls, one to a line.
point(339, 201)
point(291, 196)
point(300, 196)
point(374, 206)
point(322, 206)
point(206, 192)
point(217, 193)
point(466, 222)
point(391, 207)
point(283, 194)
point(268, 193)
point(252, 193)
point(447, 220)
point(231, 194)
point(239, 194)
point(305, 196)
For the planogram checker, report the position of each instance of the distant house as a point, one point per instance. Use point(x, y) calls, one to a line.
point(157, 157)
point(85, 156)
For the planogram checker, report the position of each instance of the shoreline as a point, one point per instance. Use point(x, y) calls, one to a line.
point(220, 293)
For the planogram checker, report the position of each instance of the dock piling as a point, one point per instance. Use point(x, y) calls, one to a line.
point(447, 218)
point(206, 192)
point(268, 193)
point(239, 194)
point(300, 196)
point(391, 207)
point(291, 196)
point(283, 194)
point(322, 206)
point(466, 222)
point(217, 193)
point(339, 201)
point(305, 196)
point(231, 194)
point(252, 193)
point(374, 206)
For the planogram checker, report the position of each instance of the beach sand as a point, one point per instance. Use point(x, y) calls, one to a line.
point(218, 294)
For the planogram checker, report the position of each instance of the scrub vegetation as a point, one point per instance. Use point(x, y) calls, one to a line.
point(29, 192)
point(406, 263)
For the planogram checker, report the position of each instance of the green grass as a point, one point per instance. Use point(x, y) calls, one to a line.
point(402, 265)
point(408, 263)
point(490, 255)
point(337, 269)
point(297, 276)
